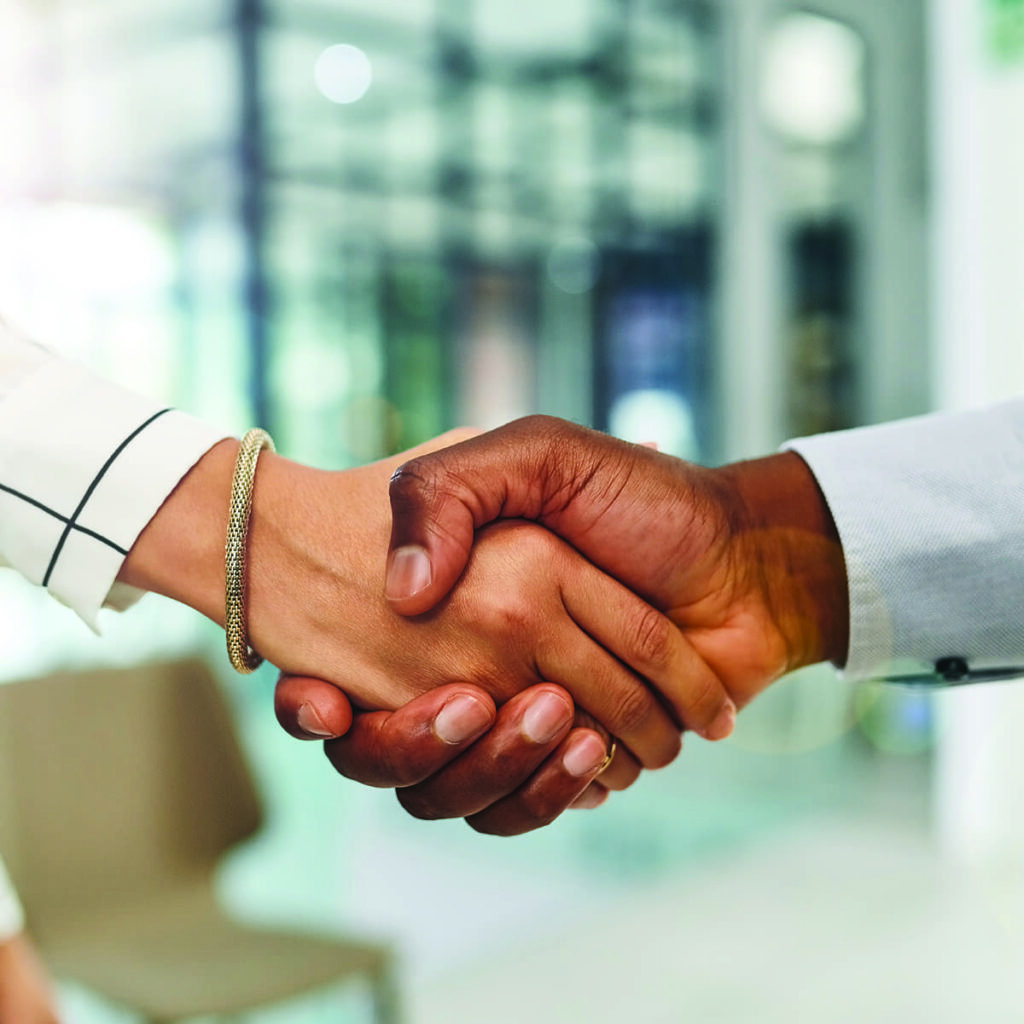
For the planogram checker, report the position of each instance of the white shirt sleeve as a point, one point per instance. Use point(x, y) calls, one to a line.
point(84, 466)
point(930, 512)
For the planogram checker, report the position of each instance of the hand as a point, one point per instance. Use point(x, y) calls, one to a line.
point(530, 609)
point(25, 993)
point(744, 559)
point(451, 754)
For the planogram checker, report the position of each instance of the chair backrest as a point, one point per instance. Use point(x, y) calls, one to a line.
point(115, 782)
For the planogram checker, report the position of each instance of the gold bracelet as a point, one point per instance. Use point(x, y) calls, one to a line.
point(244, 659)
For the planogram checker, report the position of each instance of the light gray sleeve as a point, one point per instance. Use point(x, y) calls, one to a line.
point(930, 512)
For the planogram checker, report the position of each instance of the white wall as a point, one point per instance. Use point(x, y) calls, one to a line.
point(978, 154)
point(890, 211)
point(978, 315)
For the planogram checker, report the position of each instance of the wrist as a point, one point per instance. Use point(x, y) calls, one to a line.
point(180, 553)
point(304, 548)
point(795, 546)
point(316, 555)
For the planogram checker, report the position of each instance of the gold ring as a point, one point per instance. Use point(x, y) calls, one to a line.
point(608, 759)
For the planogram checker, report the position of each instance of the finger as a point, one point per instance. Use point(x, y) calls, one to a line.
point(655, 649)
point(311, 709)
point(403, 747)
point(528, 728)
point(562, 780)
point(622, 769)
point(438, 500)
point(615, 696)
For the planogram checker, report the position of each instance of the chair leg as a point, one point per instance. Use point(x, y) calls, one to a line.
point(387, 1001)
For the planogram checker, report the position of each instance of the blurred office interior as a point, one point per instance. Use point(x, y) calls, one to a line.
point(713, 224)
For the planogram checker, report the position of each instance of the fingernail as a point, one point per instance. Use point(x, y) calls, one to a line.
point(310, 722)
point(409, 571)
point(723, 723)
point(545, 718)
point(461, 719)
point(586, 755)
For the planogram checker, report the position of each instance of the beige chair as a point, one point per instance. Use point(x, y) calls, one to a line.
point(120, 791)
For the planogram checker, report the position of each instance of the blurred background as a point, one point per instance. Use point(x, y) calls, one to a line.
point(711, 224)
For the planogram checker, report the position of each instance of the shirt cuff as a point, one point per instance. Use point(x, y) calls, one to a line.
point(930, 513)
point(84, 466)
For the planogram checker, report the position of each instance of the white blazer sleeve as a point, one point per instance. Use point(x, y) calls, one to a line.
point(930, 512)
point(84, 465)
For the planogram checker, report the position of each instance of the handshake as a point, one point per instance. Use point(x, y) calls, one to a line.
point(552, 596)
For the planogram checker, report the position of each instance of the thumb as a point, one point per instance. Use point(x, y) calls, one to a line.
point(439, 499)
point(432, 526)
point(311, 709)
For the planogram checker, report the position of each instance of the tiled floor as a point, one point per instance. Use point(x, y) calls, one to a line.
point(836, 923)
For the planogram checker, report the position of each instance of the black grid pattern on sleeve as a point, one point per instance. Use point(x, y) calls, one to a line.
point(71, 522)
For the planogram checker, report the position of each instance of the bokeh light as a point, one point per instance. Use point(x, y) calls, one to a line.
point(813, 79)
point(653, 415)
point(343, 73)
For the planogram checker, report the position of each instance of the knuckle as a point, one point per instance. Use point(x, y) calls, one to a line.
point(414, 483)
point(631, 710)
point(486, 827)
point(496, 825)
point(538, 423)
point(419, 805)
point(550, 431)
point(399, 772)
point(536, 809)
point(508, 612)
point(337, 752)
point(513, 820)
point(533, 544)
point(369, 761)
point(707, 698)
point(515, 614)
point(697, 698)
point(652, 638)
